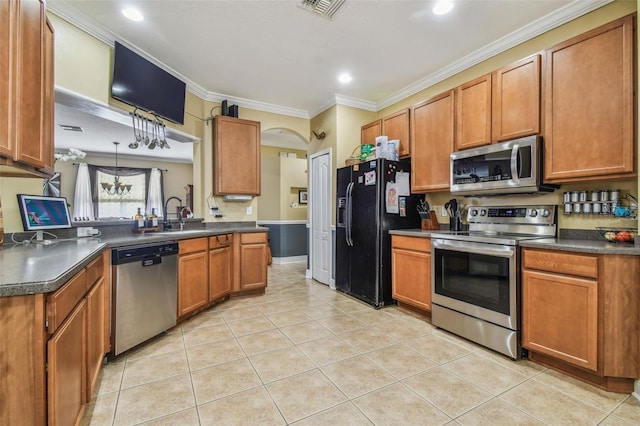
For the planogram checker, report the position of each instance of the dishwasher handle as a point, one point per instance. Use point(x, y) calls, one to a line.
point(151, 260)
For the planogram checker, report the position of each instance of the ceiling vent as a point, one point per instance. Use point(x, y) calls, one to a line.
point(326, 8)
point(71, 128)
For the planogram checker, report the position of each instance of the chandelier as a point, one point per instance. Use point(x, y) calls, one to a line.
point(144, 127)
point(116, 188)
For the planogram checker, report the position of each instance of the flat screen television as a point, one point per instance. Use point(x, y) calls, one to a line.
point(41, 213)
point(140, 83)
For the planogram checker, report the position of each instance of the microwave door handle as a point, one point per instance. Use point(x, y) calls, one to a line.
point(515, 167)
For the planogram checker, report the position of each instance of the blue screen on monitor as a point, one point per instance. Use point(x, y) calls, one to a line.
point(39, 212)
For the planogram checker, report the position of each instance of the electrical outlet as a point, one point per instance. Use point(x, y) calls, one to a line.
point(214, 211)
point(443, 211)
point(85, 231)
point(249, 210)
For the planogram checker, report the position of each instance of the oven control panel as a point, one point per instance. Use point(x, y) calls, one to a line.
point(541, 215)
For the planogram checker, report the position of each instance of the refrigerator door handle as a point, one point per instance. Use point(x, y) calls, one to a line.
point(349, 214)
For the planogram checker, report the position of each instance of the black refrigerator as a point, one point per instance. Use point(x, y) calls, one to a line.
point(371, 199)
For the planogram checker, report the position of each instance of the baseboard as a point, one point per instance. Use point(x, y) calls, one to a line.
point(307, 274)
point(636, 390)
point(290, 259)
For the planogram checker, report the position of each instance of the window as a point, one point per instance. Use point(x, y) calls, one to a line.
point(126, 205)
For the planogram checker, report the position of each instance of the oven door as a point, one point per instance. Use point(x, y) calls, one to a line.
point(477, 279)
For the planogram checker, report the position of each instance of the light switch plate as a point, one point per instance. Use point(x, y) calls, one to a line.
point(249, 210)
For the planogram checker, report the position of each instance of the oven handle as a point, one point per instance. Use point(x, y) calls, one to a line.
point(515, 172)
point(477, 248)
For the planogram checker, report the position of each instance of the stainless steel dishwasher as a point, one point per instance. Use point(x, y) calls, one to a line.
point(145, 293)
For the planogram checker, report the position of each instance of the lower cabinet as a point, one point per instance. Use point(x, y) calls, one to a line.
point(96, 307)
point(220, 266)
point(581, 315)
point(67, 369)
point(411, 271)
point(252, 267)
point(193, 275)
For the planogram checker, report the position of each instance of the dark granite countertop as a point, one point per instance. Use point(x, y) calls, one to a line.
point(595, 246)
point(43, 268)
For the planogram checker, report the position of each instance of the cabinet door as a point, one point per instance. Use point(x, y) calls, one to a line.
point(560, 317)
point(253, 266)
point(411, 277)
point(589, 105)
point(95, 334)
point(219, 272)
point(47, 106)
point(236, 156)
point(396, 126)
point(369, 132)
point(432, 134)
point(29, 95)
point(193, 282)
point(7, 50)
point(473, 113)
point(67, 368)
point(516, 100)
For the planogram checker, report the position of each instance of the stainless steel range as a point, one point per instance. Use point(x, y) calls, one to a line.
point(475, 275)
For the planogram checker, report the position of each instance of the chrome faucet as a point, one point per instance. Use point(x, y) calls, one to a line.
point(165, 223)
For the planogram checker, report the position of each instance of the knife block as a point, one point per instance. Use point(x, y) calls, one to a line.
point(431, 223)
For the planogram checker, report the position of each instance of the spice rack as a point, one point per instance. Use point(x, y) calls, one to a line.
point(605, 202)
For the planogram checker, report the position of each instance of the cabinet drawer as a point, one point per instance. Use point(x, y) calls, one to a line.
point(411, 243)
point(192, 245)
point(220, 240)
point(95, 270)
point(562, 263)
point(253, 238)
point(63, 300)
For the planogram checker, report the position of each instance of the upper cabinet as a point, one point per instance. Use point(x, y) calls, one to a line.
point(499, 106)
point(396, 126)
point(236, 156)
point(432, 134)
point(515, 101)
point(369, 132)
point(589, 105)
point(26, 87)
point(393, 126)
point(473, 113)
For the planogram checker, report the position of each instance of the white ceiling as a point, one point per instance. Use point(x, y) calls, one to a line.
point(275, 56)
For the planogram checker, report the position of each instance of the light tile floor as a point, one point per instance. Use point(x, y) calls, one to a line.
point(306, 355)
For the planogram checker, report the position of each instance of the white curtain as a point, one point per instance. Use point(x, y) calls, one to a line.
point(154, 198)
point(82, 203)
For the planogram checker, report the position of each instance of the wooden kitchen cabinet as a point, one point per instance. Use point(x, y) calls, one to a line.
point(515, 100)
point(396, 126)
point(236, 156)
point(369, 132)
point(590, 106)
point(26, 91)
point(252, 261)
point(193, 275)
point(432, 141)
point(473, 113)
point(220, 266)
point(411, 271)
point(580, 314)
point(67, 369)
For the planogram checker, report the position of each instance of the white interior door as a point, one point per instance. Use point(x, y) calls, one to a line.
point(320, 217)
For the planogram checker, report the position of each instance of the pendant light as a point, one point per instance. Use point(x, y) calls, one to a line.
point(116, 188)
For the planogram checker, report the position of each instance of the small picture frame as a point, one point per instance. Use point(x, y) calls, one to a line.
point(302, 196)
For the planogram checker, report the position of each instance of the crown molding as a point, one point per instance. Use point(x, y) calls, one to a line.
point(568, 13)
point(356, 103)
point(257, 105)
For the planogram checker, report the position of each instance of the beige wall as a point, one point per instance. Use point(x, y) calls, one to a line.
point(9, 187)
point(293, 178)
point(279, 176)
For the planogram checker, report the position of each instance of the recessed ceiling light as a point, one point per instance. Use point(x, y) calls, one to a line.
point(133, 14)
point(442, 7)
point(345, 78)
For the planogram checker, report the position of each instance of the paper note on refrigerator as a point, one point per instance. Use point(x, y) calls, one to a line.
point(403, 184)
point(391, 198)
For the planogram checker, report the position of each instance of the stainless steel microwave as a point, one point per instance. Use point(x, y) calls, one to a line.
point(511, 167)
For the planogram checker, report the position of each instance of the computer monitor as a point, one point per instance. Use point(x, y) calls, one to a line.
point(40, 213)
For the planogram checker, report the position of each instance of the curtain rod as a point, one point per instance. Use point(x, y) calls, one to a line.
point(164, 170)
